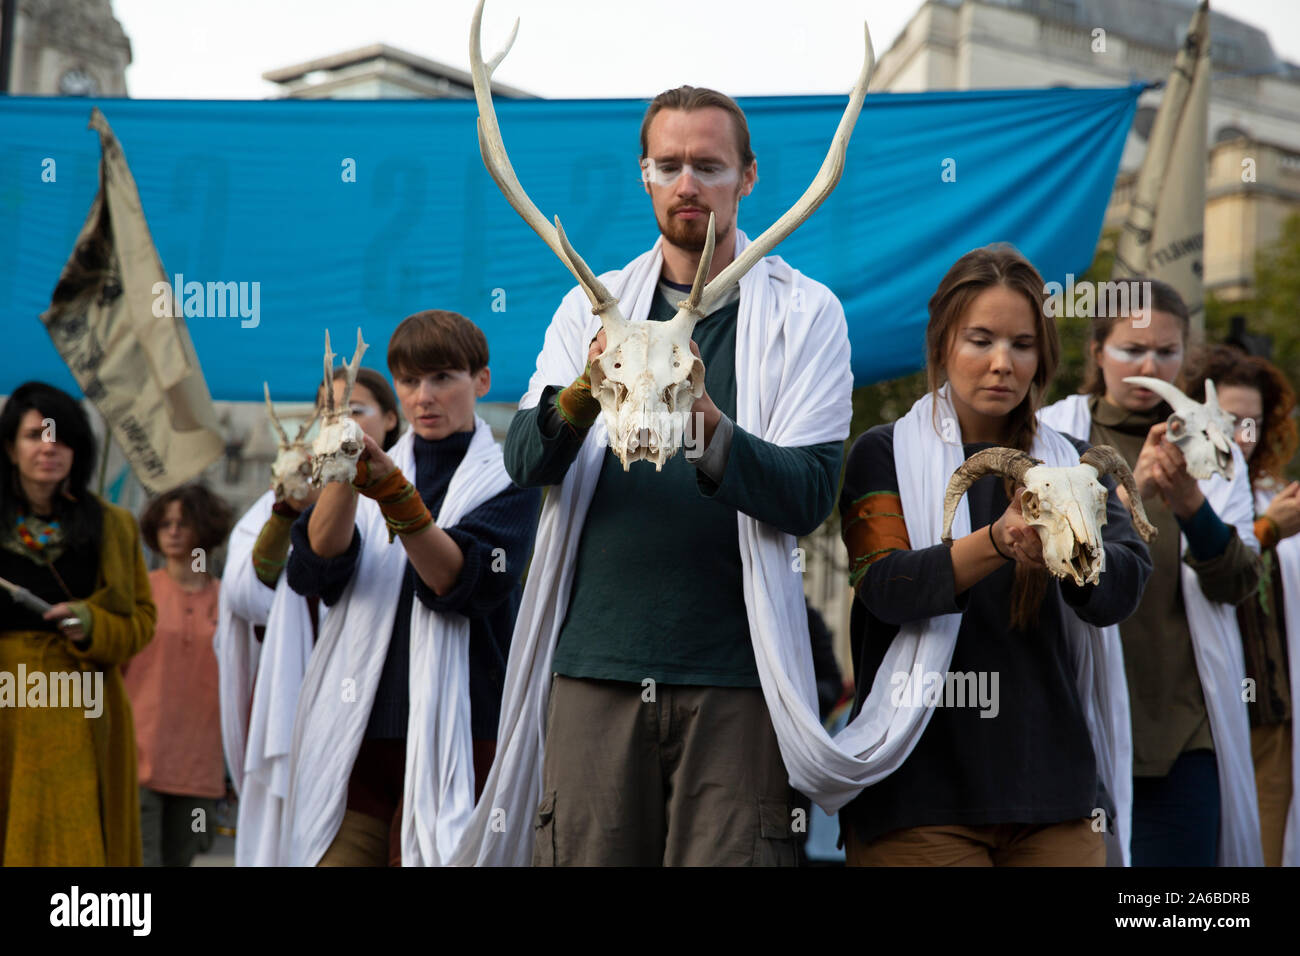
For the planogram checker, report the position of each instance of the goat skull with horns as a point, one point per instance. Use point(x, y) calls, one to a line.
point(1202, 430)
point(1066, 506)
point(341, 440)
point(291, 471)
point(647, 379)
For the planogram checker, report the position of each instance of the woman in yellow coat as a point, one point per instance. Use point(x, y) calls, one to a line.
point(68, 794)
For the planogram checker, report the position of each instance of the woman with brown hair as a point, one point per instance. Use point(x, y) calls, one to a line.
point(1010, 778)
point(173, 681)
point(67, 767)
point(1193, 789)
point(1258, 396)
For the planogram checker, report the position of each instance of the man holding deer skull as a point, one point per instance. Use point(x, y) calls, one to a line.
point(659, 747)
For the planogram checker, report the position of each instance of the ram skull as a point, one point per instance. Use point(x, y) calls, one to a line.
point(341, 440)
point(292, 469)
point(647, 378)
point(1066, 506)
point(1202, 430)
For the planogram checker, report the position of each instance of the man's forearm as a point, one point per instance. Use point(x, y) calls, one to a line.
point(332, 520)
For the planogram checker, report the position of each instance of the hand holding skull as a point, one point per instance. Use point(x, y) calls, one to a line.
point(1284, 510)
point(1014, 535)
point(703, 413)
point(1167, 470)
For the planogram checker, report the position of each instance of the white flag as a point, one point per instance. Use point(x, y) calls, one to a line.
point(1164, 234)
point(139, 369)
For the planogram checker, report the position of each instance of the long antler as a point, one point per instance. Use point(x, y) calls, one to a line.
point(498, 165)
point(275, 419)
point(822, 185)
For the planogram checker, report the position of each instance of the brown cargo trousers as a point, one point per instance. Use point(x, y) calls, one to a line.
point(662, 775)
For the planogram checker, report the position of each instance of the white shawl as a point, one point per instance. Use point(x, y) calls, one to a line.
point(338, 690)
point(244, 602)
point(286, 648)
point(793, 387)
point(1216, 644)
point(1288, 558)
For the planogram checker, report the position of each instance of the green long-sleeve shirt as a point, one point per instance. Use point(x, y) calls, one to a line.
point(658, 591)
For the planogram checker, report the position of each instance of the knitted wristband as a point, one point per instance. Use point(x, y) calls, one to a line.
point(403, 510)
point(576, 404)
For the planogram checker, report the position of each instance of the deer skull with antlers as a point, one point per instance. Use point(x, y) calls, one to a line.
point(1202, 431)
point(1066, 506)
point(341, 440)
point(647, 379)
point(291, 471)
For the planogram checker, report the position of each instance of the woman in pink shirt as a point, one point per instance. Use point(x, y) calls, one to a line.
point(173, 681)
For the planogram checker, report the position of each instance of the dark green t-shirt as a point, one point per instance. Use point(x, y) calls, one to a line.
point(679, 623)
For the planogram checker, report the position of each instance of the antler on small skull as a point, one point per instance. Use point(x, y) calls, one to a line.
point(1202, 430)
point(341, 440)
point(647, 379)
point(1066, 506)
point(291, 472)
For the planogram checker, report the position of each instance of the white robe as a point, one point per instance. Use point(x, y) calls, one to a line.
point(793, 388)
point(1288, 557)
point(1216, 644)
point(245, 602)
point(286, 648)
point(343, 674)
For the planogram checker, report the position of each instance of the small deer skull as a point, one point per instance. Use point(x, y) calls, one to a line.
point(1066, 506)
point(341, 440)
point(292, 468)
point(1202, 431)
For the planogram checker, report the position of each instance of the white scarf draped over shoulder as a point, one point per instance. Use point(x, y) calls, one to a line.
point(1216, 646)
point(793, 388)
point(343, 674)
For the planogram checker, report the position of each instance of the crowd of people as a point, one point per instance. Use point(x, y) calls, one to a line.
point(432, 663)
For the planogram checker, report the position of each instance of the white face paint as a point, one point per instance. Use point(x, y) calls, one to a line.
point(1202, 431)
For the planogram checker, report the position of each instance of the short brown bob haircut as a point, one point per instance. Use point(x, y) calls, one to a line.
point(436, 340)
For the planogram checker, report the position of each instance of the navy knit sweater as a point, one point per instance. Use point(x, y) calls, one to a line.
point(487, 595)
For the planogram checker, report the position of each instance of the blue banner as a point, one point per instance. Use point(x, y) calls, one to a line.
point(294, 216)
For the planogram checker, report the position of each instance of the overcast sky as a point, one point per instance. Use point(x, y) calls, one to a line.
point(218, 49)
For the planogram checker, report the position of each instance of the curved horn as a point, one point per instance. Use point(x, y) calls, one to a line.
point(1179, 402)
point(275, 419)
point(305, 427)
point(692, 304)
point(1010, 462)
point(600, 298)
point(1107, 461)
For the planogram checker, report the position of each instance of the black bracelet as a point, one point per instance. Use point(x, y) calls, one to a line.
point(995, 545)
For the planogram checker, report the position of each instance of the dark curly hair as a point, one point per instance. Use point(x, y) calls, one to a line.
point(76, 509)
point(1278, 436)
point(207, 513)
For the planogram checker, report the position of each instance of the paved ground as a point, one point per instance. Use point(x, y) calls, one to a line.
point(221, 854)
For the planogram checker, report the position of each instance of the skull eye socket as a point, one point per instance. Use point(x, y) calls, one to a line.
point(304, 468)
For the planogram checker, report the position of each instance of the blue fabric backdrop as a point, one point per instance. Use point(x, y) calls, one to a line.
point(253, 191)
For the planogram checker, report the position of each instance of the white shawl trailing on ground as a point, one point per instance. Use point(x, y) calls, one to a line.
point(1288, 558)
point(286, 648)
point(793, 387)
point(244, 602)
point(885, 732)
point(338, 690)
point(1216, 644)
